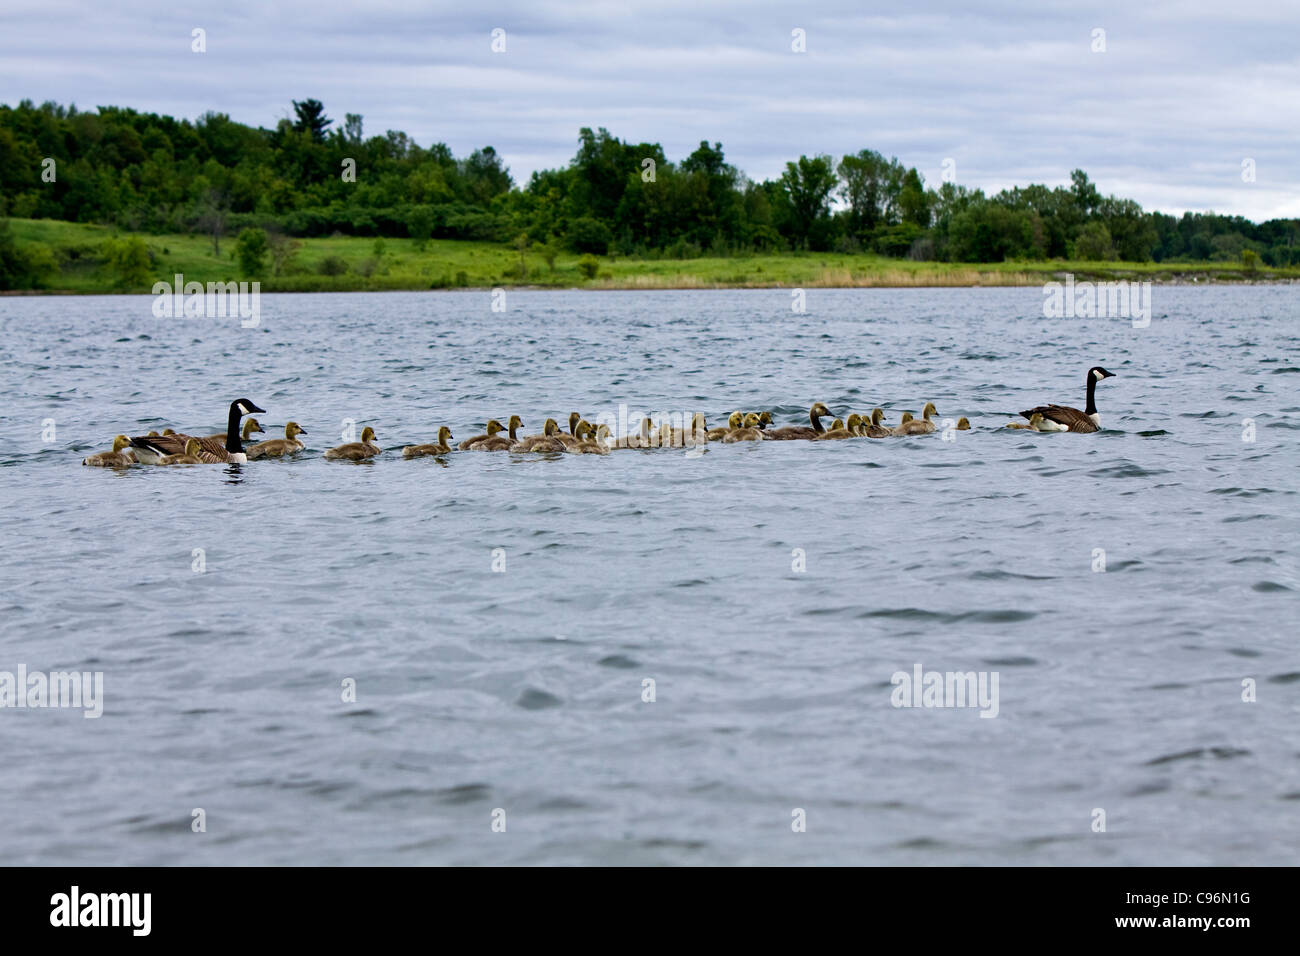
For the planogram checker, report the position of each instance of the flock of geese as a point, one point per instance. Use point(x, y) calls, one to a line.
point(582, 438)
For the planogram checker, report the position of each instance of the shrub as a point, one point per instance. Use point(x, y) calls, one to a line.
point(588, 266)
point(333, 266)
point(128, 260)
point(250, 249)
point(589, 235)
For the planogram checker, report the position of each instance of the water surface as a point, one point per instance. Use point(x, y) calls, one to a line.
point(522, 690)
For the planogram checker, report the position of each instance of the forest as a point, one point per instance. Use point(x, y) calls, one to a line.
point(311, 176)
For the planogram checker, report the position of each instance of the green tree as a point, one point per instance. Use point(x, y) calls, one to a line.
point(1094, 244)
point(913, 201)
point(419, 223)
point(311, 119)
point(807, 186)
point(250, 249)
point(589, 235)
point(870, 185)
point(128, 260)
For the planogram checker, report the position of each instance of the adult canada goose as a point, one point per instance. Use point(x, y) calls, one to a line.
point(1062, 418)
point(436, 448)
point(922, 427)
point(875, 427)
point(795, 432)
point(845, 429)
point(149, 449)
point(547, 441)
point(493, 426)
point(117, 458)
point(193, 455)
point(357, 450)
point(1035, 420)
point(593, 441)
point(501, 442)
point(734, 420)
point(279, 447)
point(250, 426)
point(748, 432)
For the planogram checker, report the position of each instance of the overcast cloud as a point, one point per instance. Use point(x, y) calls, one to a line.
point(1010, 91)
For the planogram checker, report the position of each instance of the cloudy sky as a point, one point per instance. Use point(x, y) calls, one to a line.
point(1010, 91)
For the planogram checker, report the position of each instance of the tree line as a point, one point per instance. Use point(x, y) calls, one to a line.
point(311, 176)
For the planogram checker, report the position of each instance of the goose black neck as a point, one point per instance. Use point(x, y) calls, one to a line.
point(1091, 409)
point(816, 422)
point(233, 444)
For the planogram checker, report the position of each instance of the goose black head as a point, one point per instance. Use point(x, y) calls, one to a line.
point(245, 407)
point(1097, 373)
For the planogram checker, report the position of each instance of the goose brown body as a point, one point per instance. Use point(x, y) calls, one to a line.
point(440, 447)
point(119, 457)
point(279, 447)
point(801, 432)
point(357, 450)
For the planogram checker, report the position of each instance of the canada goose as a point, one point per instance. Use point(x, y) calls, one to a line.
point(897, 429)
point(499, 442)
point(547, 441)
point(748, 432)
point(250, 425)
point(571, 441)
point(574, 436)
point(148, 449)
point(593, 441)
point(193, 455)
point(493, 426)
point(639, 440)
point(357, 450)
point(734, 420)
point(963, 424)
point(279, 447)
point(794, 432)
point(1035, 420)
point(764, 419)
point(697, 433)
point(922, 427)
point(574, 420)
point(1062, 418)
point(875, 426)
point(117, 458)
point(846, 429)
point(440, 448)
point(171, 431)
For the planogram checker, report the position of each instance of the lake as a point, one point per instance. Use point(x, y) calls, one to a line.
point(451, 661)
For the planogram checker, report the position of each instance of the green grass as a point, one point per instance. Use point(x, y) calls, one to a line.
point(452, 263)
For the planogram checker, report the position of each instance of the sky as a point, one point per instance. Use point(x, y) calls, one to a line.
point(1000, 93)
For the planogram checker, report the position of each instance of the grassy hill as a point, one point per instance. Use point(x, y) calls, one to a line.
point(342, 263)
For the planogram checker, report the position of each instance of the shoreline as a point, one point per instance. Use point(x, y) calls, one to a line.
point(697, 287)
